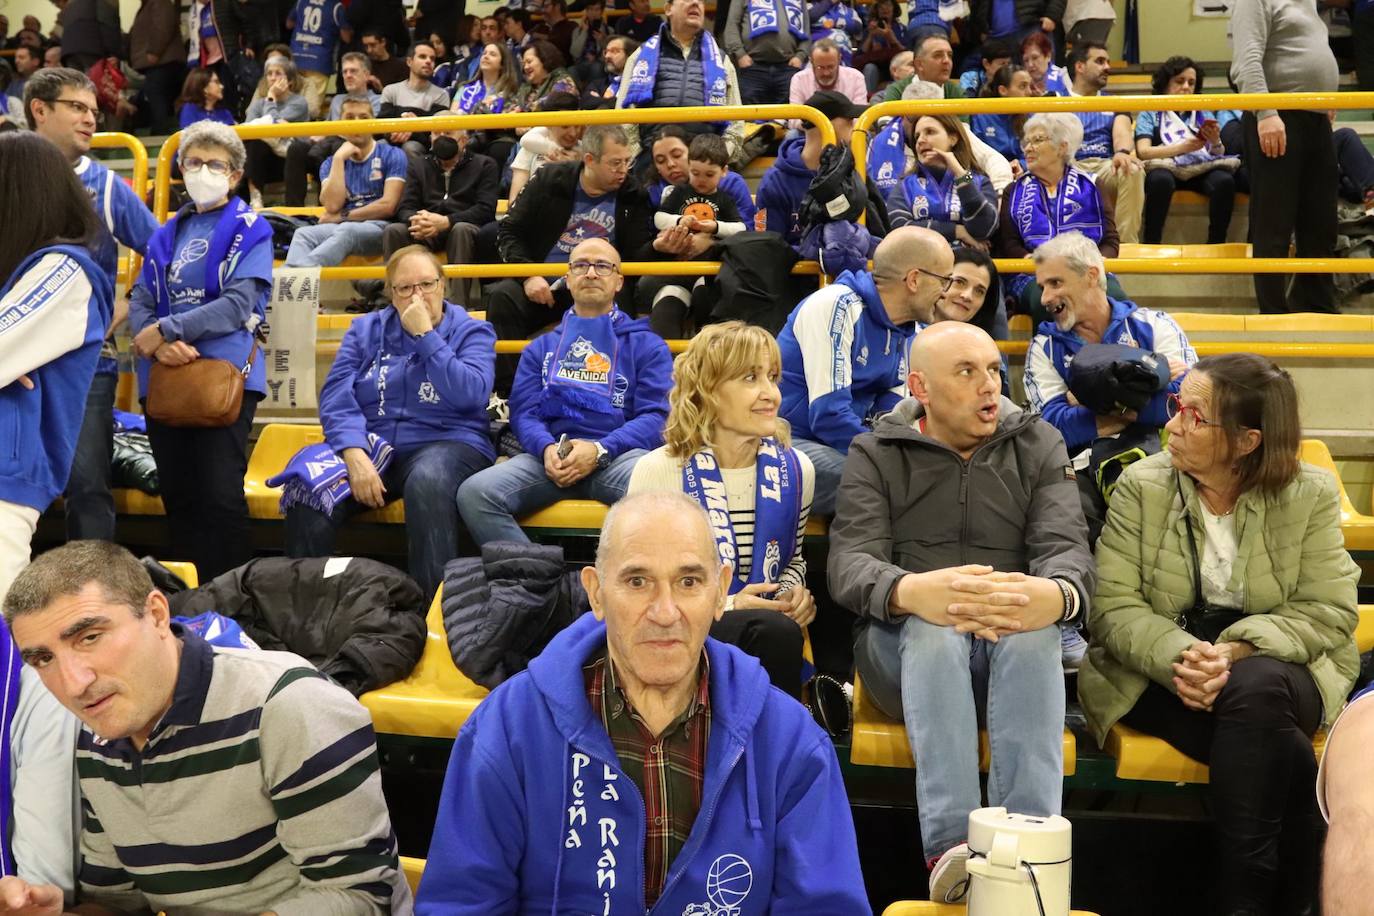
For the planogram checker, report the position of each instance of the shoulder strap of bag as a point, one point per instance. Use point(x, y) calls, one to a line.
point(1192, 541)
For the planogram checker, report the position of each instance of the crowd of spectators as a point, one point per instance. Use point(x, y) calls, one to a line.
point(962, 526)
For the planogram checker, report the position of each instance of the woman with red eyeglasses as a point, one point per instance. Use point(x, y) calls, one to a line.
point(1223, 620)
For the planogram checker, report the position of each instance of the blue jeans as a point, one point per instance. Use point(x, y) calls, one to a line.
point(90, 504)
point(490, 502)
point(829, 466)
point(327, 245)
point(427, 476)
point(765, 84)
point(940, 683)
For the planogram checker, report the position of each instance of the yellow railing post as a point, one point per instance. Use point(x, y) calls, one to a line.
point(140, 182)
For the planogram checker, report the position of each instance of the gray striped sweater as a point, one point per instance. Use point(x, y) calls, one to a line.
point(258, 790)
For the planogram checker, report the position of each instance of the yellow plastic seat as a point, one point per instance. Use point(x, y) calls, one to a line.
point(1357, 527)
point(881, 742)
point(435, 700)
point(926, 908)
point(276, 444)
point(129, 501)
point(187, 571)
point(1200, 200)
point(1310, 323)
point(413, 869)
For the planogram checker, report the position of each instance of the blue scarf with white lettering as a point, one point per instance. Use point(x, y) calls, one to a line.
point(777, 507)
point(887, 157)
point(237, 231)
point(579, 372)
point(645, 73)
point(471, 96)
point(941, 200)
point(9, 702)
point(1076, 207)
point(763, 17)
point(317, 477)
point(1175, 127)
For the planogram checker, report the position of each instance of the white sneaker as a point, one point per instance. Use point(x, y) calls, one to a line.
point(949, 877)
point(1072, 648)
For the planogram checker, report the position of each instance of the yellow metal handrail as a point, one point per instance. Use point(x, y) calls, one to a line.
point(140, 182)
point(695, 114)
point(539, 269)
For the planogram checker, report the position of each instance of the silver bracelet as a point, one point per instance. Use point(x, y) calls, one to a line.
point(1070, 611)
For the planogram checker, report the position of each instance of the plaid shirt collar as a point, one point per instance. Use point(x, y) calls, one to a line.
point(615, 703)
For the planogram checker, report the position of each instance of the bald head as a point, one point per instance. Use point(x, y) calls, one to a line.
point(908, 266)
point(665, 509)
point(956, 374)
point(595, 250)
point(947, 339)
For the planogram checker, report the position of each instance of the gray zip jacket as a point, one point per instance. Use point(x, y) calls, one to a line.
point(910, 504)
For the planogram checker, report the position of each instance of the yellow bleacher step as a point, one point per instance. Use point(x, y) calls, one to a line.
point(926, 908)
point(879, 741)
point(435, 700)
point(187, 571)
point(1357, 527)
point(412, 868)
point(1225, 250)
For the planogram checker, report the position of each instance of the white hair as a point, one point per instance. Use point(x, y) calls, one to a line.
point(673, 507)
point(920, 89)
point(1078, 251)
point(1062, 128)
point(217, 136)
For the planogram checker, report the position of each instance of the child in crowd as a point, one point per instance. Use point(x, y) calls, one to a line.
point(700, 205)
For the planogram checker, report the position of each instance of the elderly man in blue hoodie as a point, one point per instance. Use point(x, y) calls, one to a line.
point(844, 349)
point(640, 767)
point(589, 398)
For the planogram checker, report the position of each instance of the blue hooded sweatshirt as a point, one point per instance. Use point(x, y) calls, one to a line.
point(411, 391)
point(843, 361)
point(639, 399)
point(537, 817)
point(53, 313)
point(1052, 351)
point(781, 192)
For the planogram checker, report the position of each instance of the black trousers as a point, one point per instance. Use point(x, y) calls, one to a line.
point(263, 165)
point(201, 473)
point(1293, 198)
point(1355, 163)
point(773, 638)
point(303, 159)
point(515, 317)
point(1258, 742)
point(1218, 186)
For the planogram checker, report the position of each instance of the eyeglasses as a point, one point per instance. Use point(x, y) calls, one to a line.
point(945, 282)
point(195, 164)
point(1192, 417)
point(404, 290)
point(1030, 142)
point(80, 108)
point(602, 268)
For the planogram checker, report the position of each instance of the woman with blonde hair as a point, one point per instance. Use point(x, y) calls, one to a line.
point(726, 446)
point(947, 190)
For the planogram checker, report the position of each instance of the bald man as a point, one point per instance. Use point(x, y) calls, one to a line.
point(959, 541)
point(640, 766)
point(844, 346)
point(589, 398)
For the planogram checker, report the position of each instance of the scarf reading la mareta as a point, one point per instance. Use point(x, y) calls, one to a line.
point(777, 507)
point(237, 231)
point(645, 72)
point(579, 373)
point(763, 17)
point(471, 96)
point(9, 702)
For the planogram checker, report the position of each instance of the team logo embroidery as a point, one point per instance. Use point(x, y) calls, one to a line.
point(194, 251)
point(772, 561)
point(427, 393)
point(585, 363)
point(862, 358)
point(641, 71)
point(885, 172)
point(728, 882)
point(618, 391)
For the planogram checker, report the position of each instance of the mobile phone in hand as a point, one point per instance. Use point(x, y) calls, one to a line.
point(564, 446)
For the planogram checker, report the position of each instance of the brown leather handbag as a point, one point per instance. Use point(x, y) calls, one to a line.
point(205, 393)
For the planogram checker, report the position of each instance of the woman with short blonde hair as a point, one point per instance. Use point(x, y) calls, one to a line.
point(726, 446)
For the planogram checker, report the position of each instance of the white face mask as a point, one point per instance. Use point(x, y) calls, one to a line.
point(205, 187)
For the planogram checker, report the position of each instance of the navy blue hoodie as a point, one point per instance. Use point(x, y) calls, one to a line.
point(537, 817)
point(781, 192)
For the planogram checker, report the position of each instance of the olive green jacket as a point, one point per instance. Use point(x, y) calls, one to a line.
point(1298, 580)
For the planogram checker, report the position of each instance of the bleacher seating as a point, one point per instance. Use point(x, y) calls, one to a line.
point(926, 908)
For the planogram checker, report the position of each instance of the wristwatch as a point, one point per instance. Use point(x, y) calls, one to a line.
point(603, 457)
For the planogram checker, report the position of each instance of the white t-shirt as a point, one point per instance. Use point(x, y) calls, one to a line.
point(1219, 549)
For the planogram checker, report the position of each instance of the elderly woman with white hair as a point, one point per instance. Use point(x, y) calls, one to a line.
point(201, 296)
point(1053, 196)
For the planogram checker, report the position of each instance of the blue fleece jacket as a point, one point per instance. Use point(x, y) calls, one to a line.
point(410, 391)
point(996, 131)
point(1052, 352)
point(644, 373)
point(843, 361)
point(53, 313)
point(782, 190)
point(537, 817)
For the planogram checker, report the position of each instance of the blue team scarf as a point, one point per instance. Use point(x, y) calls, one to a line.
point(237, 231)
point(887, 157)
point(1175, 127)
point(941, 199)
point(9, 702)
point(841, 16)
point(317, 477)
point(471, 95)
point(218, 630)
point(1075, 208)
point(641, 91)
point(1057, 81)
point(777, 506)
point(579, 373)
point(763, 17)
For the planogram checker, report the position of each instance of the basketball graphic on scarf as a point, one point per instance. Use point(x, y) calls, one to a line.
point(596, 362)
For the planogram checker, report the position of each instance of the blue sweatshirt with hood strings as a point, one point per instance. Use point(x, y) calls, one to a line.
point(537, 816)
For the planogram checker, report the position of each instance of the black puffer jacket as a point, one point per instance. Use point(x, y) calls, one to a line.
point(363, 625)
point(501, 610)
